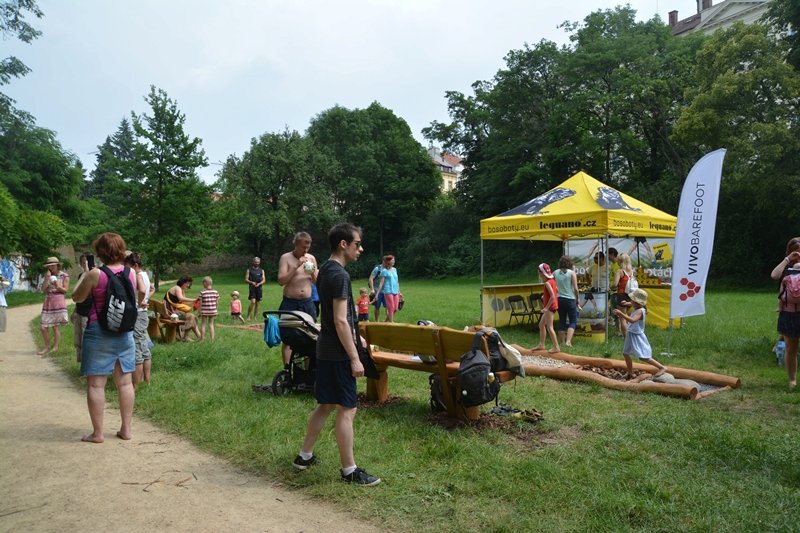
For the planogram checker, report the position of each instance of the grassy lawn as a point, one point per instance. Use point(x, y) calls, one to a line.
point(601, 460)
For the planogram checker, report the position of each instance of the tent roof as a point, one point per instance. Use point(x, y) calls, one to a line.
point(581, 207)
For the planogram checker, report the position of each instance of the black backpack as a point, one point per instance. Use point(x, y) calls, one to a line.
point(477, 387)
point(120, 313)
point(496, 359)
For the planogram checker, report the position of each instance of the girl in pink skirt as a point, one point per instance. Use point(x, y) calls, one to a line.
point(54, 310)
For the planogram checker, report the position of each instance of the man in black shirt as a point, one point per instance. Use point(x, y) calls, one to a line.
point(338, 365)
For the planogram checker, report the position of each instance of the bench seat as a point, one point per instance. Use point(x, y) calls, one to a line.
point(393, 344)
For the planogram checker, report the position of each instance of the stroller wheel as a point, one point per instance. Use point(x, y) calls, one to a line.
point(281, 383)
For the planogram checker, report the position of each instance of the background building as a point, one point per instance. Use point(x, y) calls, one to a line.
point(449, 166)
point(710, 18)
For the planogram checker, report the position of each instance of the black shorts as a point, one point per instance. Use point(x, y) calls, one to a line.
point(306, 306)
point(255, 293)
point(789, 324)
point(335, 383)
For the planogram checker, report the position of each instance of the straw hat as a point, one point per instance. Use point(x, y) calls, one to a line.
point(544, 268)
point(638, 296)
point(52, 261)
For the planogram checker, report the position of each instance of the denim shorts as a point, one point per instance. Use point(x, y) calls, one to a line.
point(101, 350)
point(567, 313)
point(335, 383)
point(380, 301)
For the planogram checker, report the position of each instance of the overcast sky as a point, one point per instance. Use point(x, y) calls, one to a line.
point(241, 68)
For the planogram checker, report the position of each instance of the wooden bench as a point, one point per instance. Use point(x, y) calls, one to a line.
point(445, 344)
point(161, 325)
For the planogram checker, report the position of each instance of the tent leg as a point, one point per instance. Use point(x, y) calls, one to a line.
point(481, 293)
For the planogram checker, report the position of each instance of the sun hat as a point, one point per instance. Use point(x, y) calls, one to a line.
point(638, 296)
point(52, 261)
point(544, 268)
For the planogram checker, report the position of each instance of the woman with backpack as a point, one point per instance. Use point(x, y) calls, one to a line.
point(789, 313)
point(104, 351)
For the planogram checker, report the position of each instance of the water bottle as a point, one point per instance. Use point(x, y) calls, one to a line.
point(780, 353)
point(490, 379)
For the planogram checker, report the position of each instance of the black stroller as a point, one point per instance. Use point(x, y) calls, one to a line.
point(300, 332)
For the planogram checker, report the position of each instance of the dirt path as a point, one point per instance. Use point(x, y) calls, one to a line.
point(50, 481)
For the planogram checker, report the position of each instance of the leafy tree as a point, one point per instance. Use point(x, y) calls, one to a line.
point(785, 15)
point(30, 231)
point(170, 206)
point(113, 161)
point(624, 82)
point(42, 180)
point(281, 185)
point(504, 132)
point(387, 180)
point(13, 24)
point(747, 99)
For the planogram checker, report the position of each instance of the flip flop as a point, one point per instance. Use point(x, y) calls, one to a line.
point(503, 410)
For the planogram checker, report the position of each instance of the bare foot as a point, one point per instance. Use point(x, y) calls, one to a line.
point(43, 352)
point(94, 439)
point(568, 344)
point(792, 385)
point(124, 436)
point(660, 373)
point(553, 350)
point(540, 347)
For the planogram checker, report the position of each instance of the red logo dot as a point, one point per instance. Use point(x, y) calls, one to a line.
point(683, 297)
point(691, 285)
point(690, 293)
point(697, 289)
point(684, 281)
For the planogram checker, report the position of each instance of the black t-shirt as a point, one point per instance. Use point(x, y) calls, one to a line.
point(333, 283)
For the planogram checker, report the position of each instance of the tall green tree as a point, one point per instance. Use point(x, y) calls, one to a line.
point(387, 180)
point(745, 98)
point(171, 205)
point(14, 25)
point(110, 176)
point(785, 16)
point(281, 185)
point(624, 83)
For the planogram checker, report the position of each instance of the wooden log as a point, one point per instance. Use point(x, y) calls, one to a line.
point(378, 389)
point(701, 376)
point(575, 374)
point(707, 393)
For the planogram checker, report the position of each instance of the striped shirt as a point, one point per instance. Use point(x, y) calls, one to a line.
point(208, 302)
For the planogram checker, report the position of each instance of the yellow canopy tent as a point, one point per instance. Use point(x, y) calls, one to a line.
point(579, 208)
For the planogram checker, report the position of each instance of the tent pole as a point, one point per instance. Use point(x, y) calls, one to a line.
point(481, 293)
point(608, 286)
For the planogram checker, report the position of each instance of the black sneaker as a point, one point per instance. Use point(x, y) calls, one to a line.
point(302, 464)
point(360, 477)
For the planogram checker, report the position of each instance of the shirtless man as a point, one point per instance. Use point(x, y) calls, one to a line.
point(296, 276)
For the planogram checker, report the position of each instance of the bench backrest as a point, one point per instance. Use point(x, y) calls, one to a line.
point(439, 341)
point(158, 307)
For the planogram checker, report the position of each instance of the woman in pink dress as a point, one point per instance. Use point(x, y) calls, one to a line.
point(54, 309)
